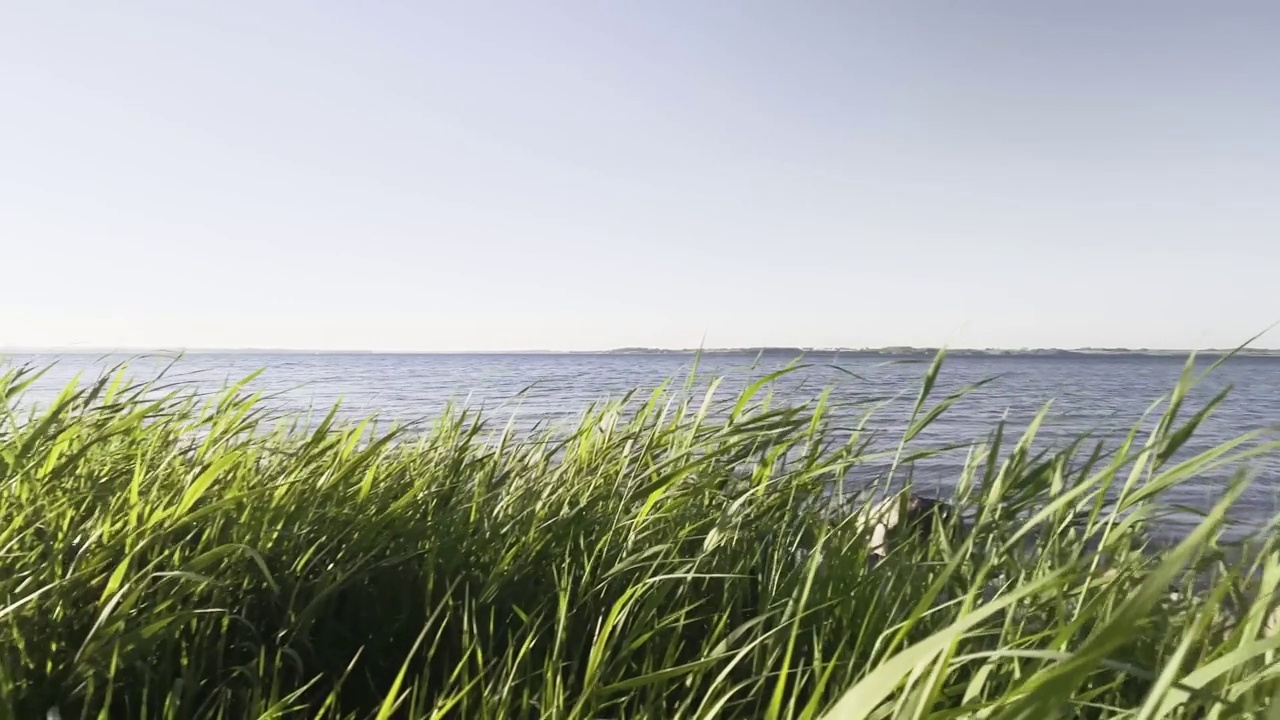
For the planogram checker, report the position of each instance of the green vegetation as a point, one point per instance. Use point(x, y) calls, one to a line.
point(164, 555)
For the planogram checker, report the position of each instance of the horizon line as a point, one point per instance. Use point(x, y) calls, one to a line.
point(885, 349)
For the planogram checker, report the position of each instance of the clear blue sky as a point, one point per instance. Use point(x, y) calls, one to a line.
point(519, 175)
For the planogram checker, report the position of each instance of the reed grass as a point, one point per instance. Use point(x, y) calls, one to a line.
point(170, 555)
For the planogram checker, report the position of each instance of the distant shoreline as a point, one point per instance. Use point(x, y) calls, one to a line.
point(959, 352)
point(897, 352)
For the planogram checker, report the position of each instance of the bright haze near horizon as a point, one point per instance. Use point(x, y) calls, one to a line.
point(516, 175)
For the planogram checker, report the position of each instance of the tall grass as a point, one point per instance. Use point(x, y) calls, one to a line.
point(164, 555)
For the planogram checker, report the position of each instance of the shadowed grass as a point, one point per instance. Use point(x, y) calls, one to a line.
point(164, 555)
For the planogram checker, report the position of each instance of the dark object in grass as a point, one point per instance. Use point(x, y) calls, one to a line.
point(903, 513)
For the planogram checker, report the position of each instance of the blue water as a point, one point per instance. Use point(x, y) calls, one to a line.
point(1105, 394)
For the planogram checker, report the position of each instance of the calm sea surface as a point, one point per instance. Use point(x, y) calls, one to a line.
point(1105, 394)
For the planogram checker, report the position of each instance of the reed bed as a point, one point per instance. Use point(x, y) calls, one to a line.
point(165, 554)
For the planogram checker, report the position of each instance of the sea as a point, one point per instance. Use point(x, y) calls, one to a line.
point(1104, 394)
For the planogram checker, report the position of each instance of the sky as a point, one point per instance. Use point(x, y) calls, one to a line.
point(444, 176)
